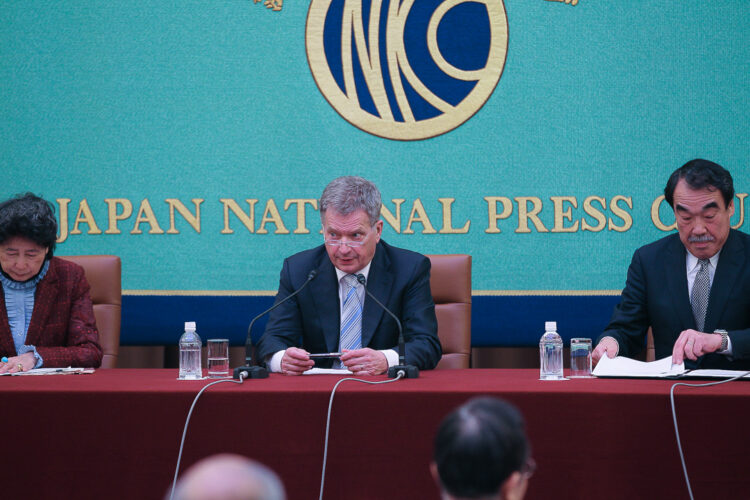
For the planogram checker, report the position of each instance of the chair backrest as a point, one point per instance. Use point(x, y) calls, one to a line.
point(450, 282)
point(103, 272)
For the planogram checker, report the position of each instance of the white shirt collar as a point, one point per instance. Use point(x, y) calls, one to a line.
point(364, 271)
point(692, 260)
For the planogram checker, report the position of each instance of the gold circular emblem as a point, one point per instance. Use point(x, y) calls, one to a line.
point(360, 63)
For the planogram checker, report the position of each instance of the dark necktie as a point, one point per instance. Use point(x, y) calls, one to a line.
point(699, 294)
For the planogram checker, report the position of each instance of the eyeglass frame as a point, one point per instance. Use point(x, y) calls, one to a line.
point(350, 244)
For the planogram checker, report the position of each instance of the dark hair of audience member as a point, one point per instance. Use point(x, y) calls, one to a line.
point(478, 446)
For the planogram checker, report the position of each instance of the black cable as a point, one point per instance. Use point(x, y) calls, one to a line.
point(328, 419)
point(674, 419)
point(187, 421)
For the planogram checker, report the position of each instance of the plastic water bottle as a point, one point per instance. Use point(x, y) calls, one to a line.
point(551, 353)
point(190, 353)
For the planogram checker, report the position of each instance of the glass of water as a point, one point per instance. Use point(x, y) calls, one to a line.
point(218, 358)
point(580, 358)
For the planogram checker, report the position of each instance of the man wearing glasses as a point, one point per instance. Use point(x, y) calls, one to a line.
point(333, 313)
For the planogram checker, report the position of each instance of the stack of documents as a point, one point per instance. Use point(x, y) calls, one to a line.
point(52, 371)
point(621, 367)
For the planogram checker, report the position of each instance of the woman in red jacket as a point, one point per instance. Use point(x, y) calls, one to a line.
point(46, 315)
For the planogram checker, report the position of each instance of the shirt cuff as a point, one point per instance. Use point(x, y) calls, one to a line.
point(274, 363)
point(728, 350)
point(391, 356)
point(30, 348)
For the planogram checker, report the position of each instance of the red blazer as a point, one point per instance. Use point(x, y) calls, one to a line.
point(63, 327)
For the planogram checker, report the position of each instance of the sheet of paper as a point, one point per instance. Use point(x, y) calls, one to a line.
point(718, 373)
point(52, 371)
point(626, 367)
point(326, 371)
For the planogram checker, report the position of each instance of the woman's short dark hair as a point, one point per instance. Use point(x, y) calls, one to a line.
point(479, 446)
point(30, 217)
point(701, 174)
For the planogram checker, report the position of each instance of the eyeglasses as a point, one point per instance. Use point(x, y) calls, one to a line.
point(350, 244)
point(528, 469)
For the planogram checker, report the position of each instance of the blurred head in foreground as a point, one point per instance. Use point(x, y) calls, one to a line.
point(229, 477)
point(481, 452)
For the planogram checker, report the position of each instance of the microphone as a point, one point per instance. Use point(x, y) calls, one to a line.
point(406, 371)
point(251, 369)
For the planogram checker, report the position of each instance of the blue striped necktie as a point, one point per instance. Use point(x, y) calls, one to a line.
point(351, 315)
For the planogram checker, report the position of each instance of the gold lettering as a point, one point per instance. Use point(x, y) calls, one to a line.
point(146, 214)
point(655, 216)
point(271, 214)
point(301, 202)
point(248, 220)
point(63, 202)
point(562, 213)
point(492, 214)
point(448, 218)
point(418, 214)
point(193, 220)
point(627, 219)
point(524, 214)
point(84, 215)
point(127, 211)
point(393, 221)
point(595, 213)
point(741, 197)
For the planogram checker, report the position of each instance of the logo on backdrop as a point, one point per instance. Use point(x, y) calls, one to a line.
point(406, 69)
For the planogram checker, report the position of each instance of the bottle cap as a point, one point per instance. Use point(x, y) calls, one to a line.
point(189, 325)
point(550, 326)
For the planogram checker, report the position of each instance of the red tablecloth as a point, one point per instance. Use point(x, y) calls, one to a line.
point(116, 433)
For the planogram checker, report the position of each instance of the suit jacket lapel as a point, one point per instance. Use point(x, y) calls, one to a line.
point(727, 271)
point(47, 291)
point(325, 290)
point(379, 283)
point(676, 278)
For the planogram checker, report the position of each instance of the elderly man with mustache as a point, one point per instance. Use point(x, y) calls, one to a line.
point(691, 288)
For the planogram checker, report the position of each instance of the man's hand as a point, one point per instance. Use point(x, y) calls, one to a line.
point(295, 361)
point(691, 344)
point(365, 361)
point(22, 363)
point(608, 346)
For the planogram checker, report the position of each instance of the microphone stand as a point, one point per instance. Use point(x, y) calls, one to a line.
point(406, 371)
point(251, 369)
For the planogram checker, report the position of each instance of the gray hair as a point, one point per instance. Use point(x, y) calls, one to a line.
point(348, 194)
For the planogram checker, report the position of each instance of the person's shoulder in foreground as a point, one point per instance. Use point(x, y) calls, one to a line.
point(481, 452)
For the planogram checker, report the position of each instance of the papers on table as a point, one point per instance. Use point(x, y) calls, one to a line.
point(52, 371)
point(326, 371)
point(626, 367)
point(621, 367)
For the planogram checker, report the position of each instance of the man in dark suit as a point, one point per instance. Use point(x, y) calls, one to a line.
point(691, 288)
point(333, 312)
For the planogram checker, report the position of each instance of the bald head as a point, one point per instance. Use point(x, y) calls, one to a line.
point(229, 477)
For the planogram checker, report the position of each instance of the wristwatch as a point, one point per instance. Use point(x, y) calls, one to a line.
point(724, 339)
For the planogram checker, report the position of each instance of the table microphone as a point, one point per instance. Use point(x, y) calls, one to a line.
point(251, 369)
point(407, 371)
